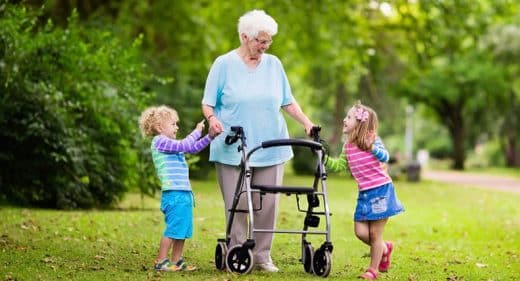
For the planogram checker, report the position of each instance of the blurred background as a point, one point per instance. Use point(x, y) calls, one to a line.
point(443, 77)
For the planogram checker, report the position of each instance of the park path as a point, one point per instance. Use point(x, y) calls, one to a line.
point(502, 183)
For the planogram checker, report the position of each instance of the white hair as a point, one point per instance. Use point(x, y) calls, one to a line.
point(255, 21)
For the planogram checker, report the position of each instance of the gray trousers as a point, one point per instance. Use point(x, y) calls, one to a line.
point(266, 218)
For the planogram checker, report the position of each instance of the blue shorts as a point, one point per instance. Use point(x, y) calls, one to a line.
point(177, 207)
point(377, 203)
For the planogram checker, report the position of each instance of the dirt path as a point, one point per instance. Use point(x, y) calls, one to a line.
point(508, 184)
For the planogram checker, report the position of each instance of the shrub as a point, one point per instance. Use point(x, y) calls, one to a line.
point(303, 162)
point(69, 101)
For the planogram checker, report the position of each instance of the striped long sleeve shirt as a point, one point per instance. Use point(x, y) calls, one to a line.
point(170, 163)
point(366, 167)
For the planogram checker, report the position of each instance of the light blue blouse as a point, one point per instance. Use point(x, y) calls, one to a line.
point(251, 98)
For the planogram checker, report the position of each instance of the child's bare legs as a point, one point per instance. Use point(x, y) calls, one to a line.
point(371, 233)
point(164, 247)
point(177, 247)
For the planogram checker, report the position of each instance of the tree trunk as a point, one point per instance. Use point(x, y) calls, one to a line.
point(456, 127)
point(512, 156)
point(510, 129)
point(459, 153)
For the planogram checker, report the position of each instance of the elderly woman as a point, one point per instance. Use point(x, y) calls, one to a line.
point(247, 87)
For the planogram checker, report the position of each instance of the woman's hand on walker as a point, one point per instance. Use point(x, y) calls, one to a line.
point(308, 129)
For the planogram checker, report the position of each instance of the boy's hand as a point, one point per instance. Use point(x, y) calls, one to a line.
point(200, 125)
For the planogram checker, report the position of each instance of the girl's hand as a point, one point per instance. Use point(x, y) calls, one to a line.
point(384, 166)
point(200, 125)
point(370, 139)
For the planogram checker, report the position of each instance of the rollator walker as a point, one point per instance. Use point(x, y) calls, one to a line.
point(239, 258)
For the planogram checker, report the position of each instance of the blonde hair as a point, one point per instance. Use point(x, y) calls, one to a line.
point(153, 116)
point(363, 129)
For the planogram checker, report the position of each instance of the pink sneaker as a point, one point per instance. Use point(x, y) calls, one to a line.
point(385, 260)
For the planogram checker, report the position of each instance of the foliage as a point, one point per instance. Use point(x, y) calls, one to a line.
point(439, 237)
point(180, 39)
point(304, 162)
point(438, 147)
point(69, 101)
point(447, 70)
point(460, 56)
point(487, 154)
point(503, 40)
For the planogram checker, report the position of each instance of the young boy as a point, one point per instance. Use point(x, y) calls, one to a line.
point(172, 169)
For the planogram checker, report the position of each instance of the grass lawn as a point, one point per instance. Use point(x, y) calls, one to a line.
point(447, 233)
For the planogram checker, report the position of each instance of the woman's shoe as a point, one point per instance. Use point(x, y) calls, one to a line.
point(268, 266)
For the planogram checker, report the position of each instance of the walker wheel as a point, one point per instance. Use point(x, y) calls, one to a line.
point(322, 262)
point(307, 253)
point(239, 259)
point(220, 255)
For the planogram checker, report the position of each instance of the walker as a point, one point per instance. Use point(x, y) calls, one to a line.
point(239, 258)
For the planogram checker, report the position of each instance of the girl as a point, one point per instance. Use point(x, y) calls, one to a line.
point(366, 157)
point(172, 169)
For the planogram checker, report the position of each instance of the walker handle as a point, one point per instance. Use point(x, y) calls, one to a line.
point(238, 133)
point(292, 142)
point(315, 133)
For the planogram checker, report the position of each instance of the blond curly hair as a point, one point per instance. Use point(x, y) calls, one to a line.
point(153, 116)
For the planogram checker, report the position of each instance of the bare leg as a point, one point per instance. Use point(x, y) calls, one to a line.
point(164, 246)
point(177, 247)
point(377, 245)
point(361, 228)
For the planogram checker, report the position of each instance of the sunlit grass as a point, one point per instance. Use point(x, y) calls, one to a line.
point(445, 164)
point(497, 171)
point(447, 233)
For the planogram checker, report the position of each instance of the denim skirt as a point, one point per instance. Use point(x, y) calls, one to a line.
point(377, 203)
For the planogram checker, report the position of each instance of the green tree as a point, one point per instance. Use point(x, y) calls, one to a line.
point(181, 39)
point(334, 53)
point(446, 69)
point(504, 42)
point(325, 56)
point(69, 101)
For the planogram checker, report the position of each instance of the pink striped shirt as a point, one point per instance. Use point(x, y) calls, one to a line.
point(365, 168)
